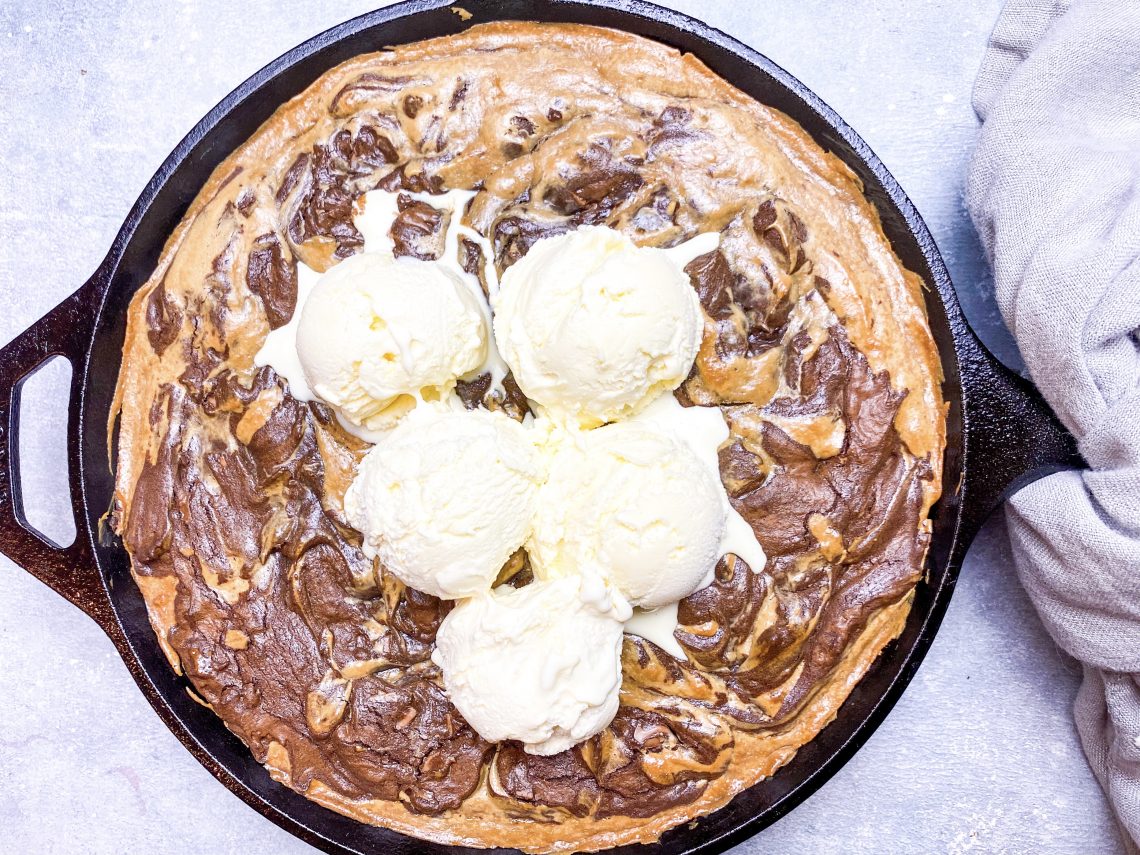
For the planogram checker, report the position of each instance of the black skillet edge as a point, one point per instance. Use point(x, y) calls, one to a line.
point(980, 392)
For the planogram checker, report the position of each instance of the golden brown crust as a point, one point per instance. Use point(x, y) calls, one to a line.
point(559, 125)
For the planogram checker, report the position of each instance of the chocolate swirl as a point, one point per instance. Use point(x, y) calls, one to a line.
point(229, 490)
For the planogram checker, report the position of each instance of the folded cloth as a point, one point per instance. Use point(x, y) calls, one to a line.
point(1054, 191)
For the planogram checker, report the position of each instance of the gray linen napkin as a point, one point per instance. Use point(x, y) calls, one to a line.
point(1054, 191)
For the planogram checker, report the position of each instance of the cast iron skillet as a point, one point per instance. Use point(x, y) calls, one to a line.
point(1000, 433)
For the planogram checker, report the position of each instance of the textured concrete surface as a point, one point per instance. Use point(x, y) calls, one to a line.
point(979, 756)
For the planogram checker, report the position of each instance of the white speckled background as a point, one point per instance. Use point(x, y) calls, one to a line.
point(979, 756)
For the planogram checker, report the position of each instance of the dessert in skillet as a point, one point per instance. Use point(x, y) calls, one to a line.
point(526, 439)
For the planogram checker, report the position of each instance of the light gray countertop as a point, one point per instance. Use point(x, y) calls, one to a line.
point(980, 755)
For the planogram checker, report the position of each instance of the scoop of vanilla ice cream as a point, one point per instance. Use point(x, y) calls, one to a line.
point(445, 498)
point(594, 327)
point(540, 664)
point(377, 332)
point(633, 504)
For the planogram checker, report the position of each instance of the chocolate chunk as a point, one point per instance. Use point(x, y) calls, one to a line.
point(472, 260)
point(775, 239)
point(458, 95)
point(472, 392)
point(594, 193)
point(659, 215)
point(713, 280)
point(417, 230)
point(327, 213)
point(522, 125)
point(513, 402)
point(591, 195)
point(420, 182)
point(670, 130)
point(510, 398)
point(292, 177)
point(336, 173)
point(514, 236)
point(163, 319)
point(517, 572)
point(412, 105)
point(372, 149)
point(273, 278)
point(784, 233)
point(764, 217)
point(245, 202)
point(147, 531)
point(765, 331)
point(419, 615)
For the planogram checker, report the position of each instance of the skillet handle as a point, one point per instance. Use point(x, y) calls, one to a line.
point(70, 571)
point(1012, 436)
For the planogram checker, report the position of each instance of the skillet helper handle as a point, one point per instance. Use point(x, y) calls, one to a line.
point(1012, 436)
point(70, 571)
